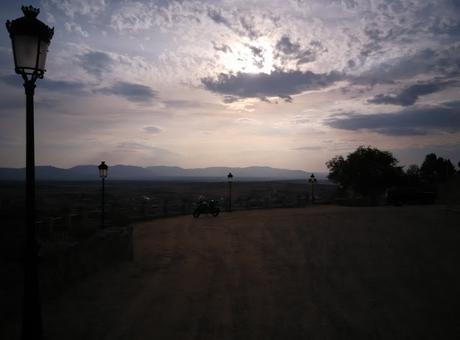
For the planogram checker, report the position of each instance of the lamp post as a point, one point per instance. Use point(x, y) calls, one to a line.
point(230, 180)
point(30, 39)
point(312, 181)
point(103, 170)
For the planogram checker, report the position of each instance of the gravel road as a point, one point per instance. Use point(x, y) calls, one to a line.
point(311, 273)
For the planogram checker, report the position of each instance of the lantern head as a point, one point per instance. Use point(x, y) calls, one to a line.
point(30, 39)
point(103, 169)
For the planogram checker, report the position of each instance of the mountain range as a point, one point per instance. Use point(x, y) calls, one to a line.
point(129, 172)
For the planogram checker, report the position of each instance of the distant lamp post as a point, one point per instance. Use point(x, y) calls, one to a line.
point(312, 180)
point(230, 180)
point(30, 40)
point(103, 171)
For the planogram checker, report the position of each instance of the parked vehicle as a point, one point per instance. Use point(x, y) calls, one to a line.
point(206, 207)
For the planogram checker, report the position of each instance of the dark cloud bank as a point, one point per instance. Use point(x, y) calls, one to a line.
point(409, 95)
point(443, 63)
point(407, 122)
point(64, 86)
point(130, 91)
point(279, 83)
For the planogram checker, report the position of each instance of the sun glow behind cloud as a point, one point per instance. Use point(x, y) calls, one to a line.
point(248, 57)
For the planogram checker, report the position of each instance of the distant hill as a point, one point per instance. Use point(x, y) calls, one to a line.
point(128, 172)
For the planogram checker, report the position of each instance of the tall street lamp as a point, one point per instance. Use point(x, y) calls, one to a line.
point(312, 181)
point(230, 180)
point(103, 170)
point(30, 40)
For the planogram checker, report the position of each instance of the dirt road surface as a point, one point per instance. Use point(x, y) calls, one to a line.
point(311, 273)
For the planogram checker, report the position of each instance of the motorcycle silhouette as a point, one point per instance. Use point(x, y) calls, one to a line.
point(206, 207)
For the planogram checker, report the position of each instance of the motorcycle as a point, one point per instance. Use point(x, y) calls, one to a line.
point(206, 207)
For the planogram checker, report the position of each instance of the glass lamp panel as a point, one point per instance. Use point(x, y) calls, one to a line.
point(103, 172)
point(25, 50)
point(42, 57)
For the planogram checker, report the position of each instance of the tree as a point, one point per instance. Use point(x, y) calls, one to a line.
point(367, 171)
point(413, 175)
point(436, 169)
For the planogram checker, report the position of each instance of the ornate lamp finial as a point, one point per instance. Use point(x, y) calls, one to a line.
point(30, 12)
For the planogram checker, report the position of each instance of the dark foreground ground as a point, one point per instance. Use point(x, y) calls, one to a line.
point(312, 273)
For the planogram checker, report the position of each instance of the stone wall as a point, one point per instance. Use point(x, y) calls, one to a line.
point(64, 264)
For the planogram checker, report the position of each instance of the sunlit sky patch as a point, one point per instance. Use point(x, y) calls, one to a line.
point(283, 83)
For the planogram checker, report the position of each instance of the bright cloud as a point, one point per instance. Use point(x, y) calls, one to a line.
point(262, 82)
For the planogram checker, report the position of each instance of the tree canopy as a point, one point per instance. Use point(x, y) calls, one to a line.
point(367, 171)
point(436, 169)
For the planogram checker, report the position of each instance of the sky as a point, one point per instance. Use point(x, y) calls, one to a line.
point(281, 83)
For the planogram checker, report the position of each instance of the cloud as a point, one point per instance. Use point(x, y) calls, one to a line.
point(249, 21)
point(286, 46)
point(409, 95)
point(221, 47)
point(73, 87)
point(71, 8)
point(12, 80)
point(257, 56)
point(6, 59)
point(230, 99)
point(299, 120)
point(279, 83)
point(443, 62)
point(133, 17)
point(130, 91)
point(216, 16)
point(73, 27)
point(309, 148)
point(96, 63)
point(63, 86)
point(249, 25)
point(407, 122)
point(152, 129)
point(246, 121)
point(286, 49)
point(144, 153)
point(133, 146)
point(183, 103)
point(9, 104)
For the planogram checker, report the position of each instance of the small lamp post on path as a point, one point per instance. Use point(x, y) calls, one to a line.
point(30, 39)
point(230, 180)
point(103, 170)
point(312, 181)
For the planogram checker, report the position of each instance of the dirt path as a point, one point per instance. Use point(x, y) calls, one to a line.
point(322, 273)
